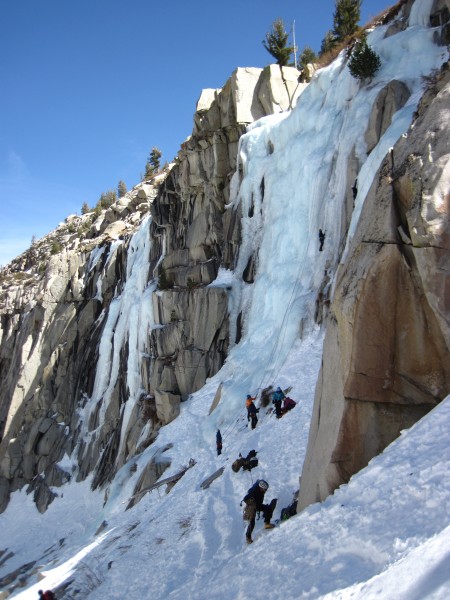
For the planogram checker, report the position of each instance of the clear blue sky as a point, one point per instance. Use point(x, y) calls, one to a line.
point(88, 87)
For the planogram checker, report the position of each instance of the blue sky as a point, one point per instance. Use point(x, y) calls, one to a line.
point(89, 87)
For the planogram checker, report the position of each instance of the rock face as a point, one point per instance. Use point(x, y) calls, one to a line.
point(194, 235)
point(248, 95)
point(386, 354)
point(63, 302)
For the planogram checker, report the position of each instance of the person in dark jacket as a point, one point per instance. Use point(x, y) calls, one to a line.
point(277, 398)
point(321, 239)
point(252, 411)
point(254, 500)
point(219, 442)
point(355, 191)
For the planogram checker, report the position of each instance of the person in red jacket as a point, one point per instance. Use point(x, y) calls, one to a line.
point(48, 595)
point(288, 404)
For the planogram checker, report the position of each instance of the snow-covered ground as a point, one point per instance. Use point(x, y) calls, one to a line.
point(385, 534)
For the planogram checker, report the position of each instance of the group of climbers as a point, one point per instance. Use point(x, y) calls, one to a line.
point(254, 498)
point(281, 402)
point(279, 397)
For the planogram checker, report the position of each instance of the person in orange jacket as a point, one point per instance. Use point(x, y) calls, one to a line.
point(252, 411)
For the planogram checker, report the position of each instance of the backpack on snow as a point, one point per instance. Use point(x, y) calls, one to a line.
point(237, 464)
point(247, 464)
point(250, 461)
point(250, 464)
point(288, 512)
point(291, 510)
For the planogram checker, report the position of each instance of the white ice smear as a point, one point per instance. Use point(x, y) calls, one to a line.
point(128, 321)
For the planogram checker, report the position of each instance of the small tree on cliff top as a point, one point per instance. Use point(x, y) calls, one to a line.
point(154, 162)
point(276, 43)
point(121, 189)
point(107, 199)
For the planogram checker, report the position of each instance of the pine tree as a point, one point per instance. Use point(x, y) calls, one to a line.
point(153, 163)
point(276, 43)
point(121, 189)
point(85, 208)
point(308, 56)
point(364, 62)
point(346, 18)
point(107, 198)
point(155, 158)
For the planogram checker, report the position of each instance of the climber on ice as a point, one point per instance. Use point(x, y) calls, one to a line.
point(219, 442)
point(321, 239)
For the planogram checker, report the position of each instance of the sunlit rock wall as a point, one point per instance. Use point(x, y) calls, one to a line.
point(386, 354)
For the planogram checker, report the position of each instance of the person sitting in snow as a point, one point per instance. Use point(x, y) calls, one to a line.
point(252, 411)
point(288, 405)
point(277, 398)
point(254, 500)
point(48, 595)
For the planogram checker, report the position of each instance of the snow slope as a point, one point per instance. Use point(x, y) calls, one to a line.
point(385, 534)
